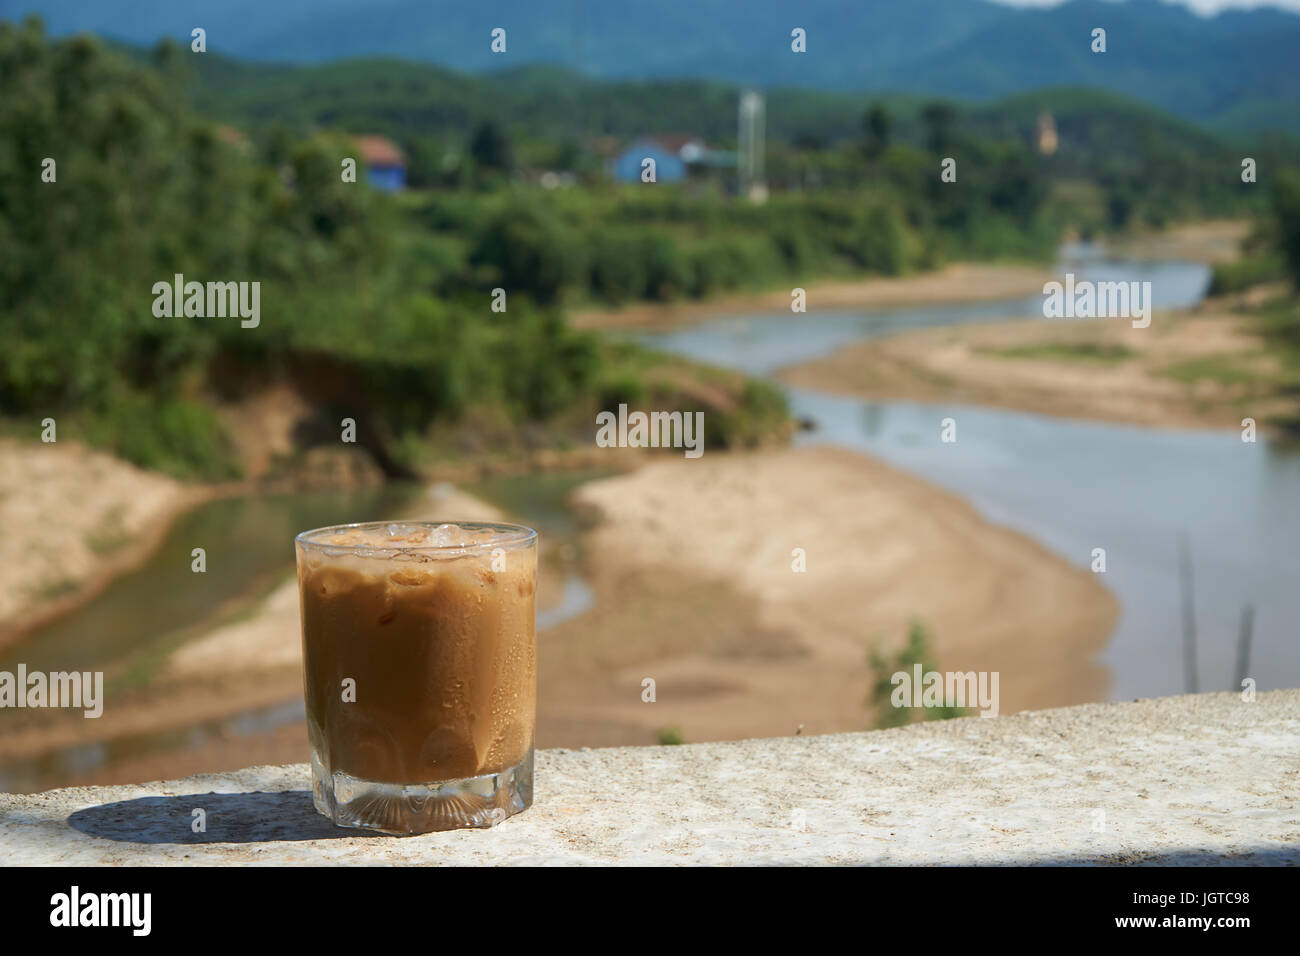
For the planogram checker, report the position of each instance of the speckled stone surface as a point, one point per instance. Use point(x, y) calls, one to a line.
point(1208, 779)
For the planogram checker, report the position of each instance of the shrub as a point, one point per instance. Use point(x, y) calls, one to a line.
point(527, 251)
point(667, 276)
point(616, 270)
point(915, 651)
point(1229, 277)
point(1286, 209)
point(878, 244)
point(182, 438)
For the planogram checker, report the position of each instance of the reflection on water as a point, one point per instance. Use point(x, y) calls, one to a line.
point(543, 502)
point(1076, 486)
point(1174, 285)
point(540, 500)
point(246, 540)
point(762, 343)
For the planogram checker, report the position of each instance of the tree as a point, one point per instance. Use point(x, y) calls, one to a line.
point(1017, 187)
point(528, 251)
point(1286, 210)
point(878, 127)
point(490, 148)
point(938, 118)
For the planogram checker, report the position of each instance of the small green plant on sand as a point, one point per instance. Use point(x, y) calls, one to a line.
point(884, 667)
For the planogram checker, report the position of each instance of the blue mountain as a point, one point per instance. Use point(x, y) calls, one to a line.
point(1239, 70)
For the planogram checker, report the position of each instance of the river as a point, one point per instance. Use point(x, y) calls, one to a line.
point(1076, 486)
point(1072, 485)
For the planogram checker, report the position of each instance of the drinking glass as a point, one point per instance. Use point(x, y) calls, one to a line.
point(420, 672)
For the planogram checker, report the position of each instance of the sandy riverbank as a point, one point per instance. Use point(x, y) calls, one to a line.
point(74, 519)
point(690, 564)
point(959, 282)
point(1216, 240)
point(1212, 241)
point(1202, 368)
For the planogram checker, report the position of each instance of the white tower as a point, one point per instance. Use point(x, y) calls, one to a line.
point(750, 142)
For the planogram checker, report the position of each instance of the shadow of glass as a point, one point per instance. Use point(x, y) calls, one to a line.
point(257, 817)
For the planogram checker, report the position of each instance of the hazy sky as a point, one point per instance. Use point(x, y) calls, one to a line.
point(1200, 6)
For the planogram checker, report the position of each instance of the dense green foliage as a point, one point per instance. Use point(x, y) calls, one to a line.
point(1270, 257)
point(1280, 319)
point(1150, 168)
point(1240, 274)
point(1271, 253)
point(380, 307)
point(1286, 206)
point(372, 308)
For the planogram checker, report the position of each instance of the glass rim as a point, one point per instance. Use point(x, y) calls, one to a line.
point(518, 535)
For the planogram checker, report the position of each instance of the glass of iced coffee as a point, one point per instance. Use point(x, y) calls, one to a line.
point(419, 663)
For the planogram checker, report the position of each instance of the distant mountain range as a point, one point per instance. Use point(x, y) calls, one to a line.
point(408, 100)
point(1238, 71)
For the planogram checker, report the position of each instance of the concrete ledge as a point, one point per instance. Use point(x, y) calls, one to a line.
point(1205, 779)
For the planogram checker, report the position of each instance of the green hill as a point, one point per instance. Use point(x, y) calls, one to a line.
point(1235, 71)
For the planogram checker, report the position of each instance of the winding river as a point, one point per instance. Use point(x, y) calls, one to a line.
point(1072, 485)
point(1076, 485)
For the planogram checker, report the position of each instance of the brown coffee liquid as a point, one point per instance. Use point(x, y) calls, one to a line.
point(443, 655)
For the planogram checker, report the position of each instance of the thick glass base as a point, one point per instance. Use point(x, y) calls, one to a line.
point(405, 809)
